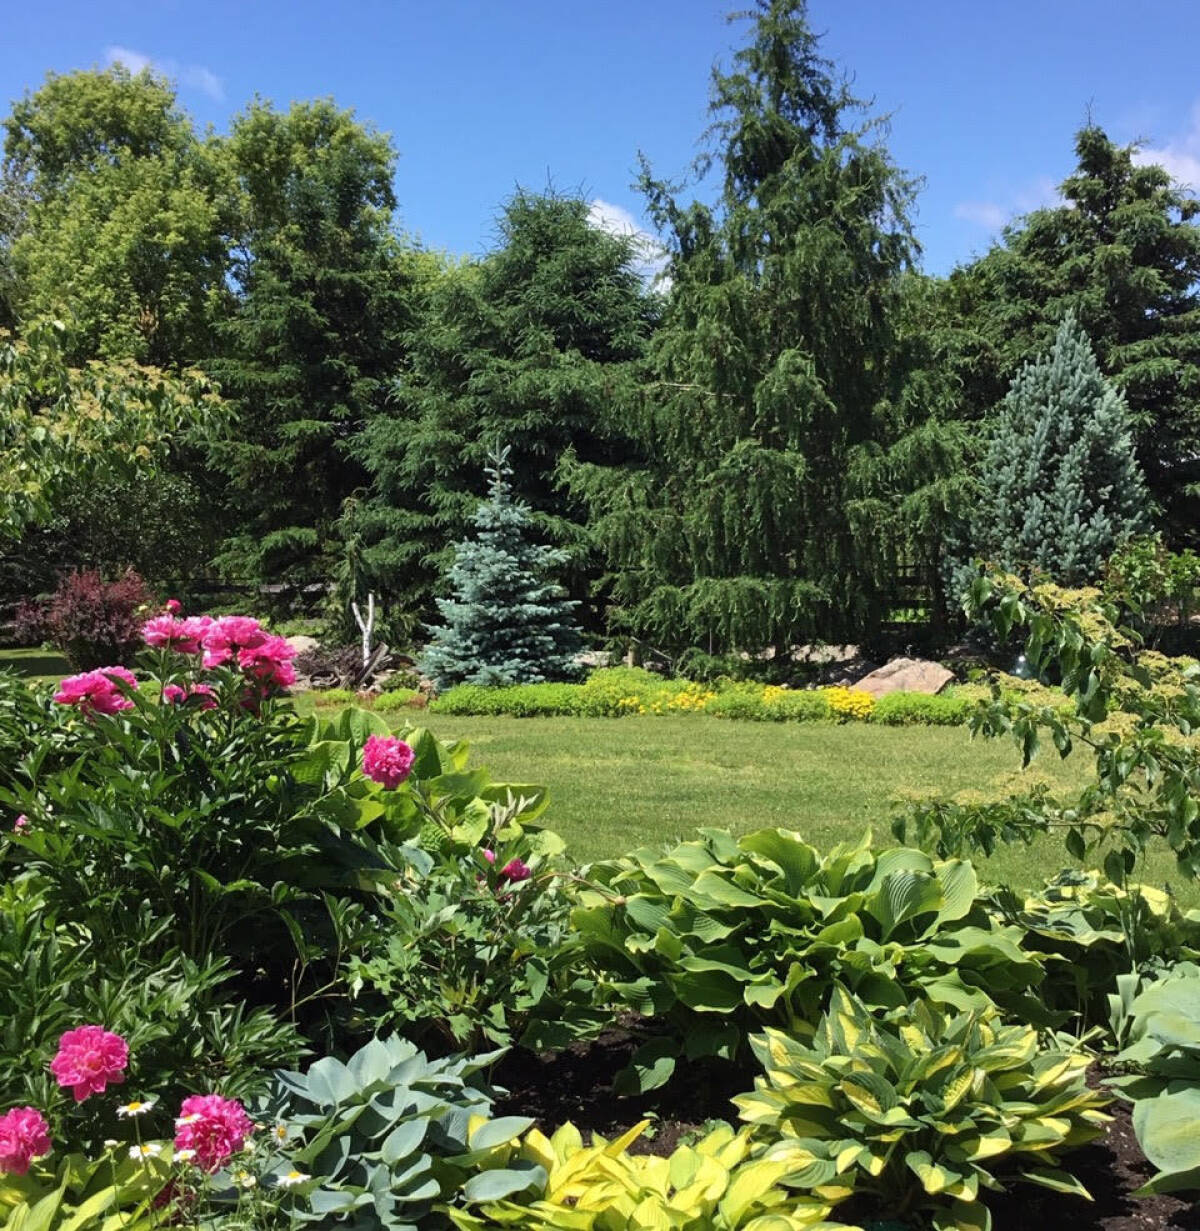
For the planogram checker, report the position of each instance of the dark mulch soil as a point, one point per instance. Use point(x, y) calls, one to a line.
point(576, 1085)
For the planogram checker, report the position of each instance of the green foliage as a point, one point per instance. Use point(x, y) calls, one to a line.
point(390, 1134)
point(1151, 584)
point(464, 954)
point(1122, 252)
point(184, 1029)
point(719, 936)
point(127, 220)
point(324, 292)
point(1161, 1027)
point(1060, 488)
point(534, 345)
point(110, 1192)
point(508, 622)
point(732, 524)
point(901, 709)
point(915, 1112)
point(64, 429)
point(1135, 710)
point(1090, 932)
point(711, 1185)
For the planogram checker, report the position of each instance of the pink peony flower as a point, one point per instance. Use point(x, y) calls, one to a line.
point(215, 1127)
point(24, 1136)
point(387, 760)
point(174, 694)
point(174, 606)
point(227, 635)
point(490, 856)
point(21, 824)
point(515, 870)
point(94, 691)
point(165, 632)
point(90, 1059)
point(270, 662)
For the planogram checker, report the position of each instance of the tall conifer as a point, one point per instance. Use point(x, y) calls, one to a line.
point(733, 530)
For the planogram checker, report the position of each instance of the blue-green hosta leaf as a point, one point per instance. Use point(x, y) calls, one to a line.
point(499, 1131)
point(403, 1141)
point(503, 1182)
point(1166, 1129)
point(708, 991)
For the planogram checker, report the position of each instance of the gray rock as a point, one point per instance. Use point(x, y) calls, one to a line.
point(906, 675)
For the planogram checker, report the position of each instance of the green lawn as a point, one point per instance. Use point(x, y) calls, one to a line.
point(616, 784)
point(35, 664)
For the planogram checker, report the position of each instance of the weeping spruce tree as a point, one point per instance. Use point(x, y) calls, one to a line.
point(508, 621)
point(1060, 486)
point(735, 530)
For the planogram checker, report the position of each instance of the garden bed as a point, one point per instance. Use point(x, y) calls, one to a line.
point(576, 1085)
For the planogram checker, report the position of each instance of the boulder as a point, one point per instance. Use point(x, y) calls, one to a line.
point(906, 675)
point(302, 644)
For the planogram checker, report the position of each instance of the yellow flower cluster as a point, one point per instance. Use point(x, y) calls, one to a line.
point(848, 703)
point(630, 705)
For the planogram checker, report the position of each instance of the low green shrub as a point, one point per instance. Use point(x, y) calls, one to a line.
point(915, 1112)
point(399, 699)
point(718, 937)
point(902, 709)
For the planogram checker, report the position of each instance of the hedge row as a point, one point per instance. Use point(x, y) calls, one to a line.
point(623, 692)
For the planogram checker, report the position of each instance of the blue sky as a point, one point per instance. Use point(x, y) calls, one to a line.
point(482, 95)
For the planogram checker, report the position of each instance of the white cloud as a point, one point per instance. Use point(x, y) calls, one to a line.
point(194, 76)
point(1180, 156)
point(132, 60)
point(988, 214)
point(651, 255)
point(993, 216)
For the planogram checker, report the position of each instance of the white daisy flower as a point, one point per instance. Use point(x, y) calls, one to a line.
point(292, 1178)
point(243, 1179)
point(138, 1107)
point(182, 1120)
point(184, 1156)
point(280, 1132)
point(152, 1149)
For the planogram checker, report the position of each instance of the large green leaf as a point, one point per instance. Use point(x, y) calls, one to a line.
point(1167, 1131)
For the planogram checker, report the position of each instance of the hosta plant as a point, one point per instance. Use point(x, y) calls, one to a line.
point(919, 1111)
point(1161, 1028)
point(721, 936)
point(713, 1185)
point(383, 1138)
point(1090, 931)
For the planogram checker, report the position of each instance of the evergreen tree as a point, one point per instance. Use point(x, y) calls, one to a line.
point(531, 345)
point(1060, 486)
point(323, 299)
point(508, 622)
point(734, 530)
point(1123, 253)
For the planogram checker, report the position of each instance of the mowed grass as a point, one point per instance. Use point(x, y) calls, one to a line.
point(617, 784)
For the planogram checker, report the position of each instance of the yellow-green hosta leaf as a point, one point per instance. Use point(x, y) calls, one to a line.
point(935, 1177)
point(988, 1145)
point(1057, 1181)
point(956, 1089)
point(751, 1184)
point(963, 1216)
point(869, 1093)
